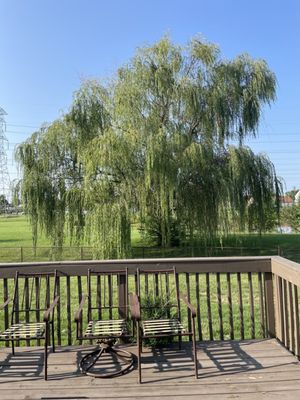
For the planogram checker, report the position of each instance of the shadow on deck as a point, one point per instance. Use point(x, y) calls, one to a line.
point(227, 370)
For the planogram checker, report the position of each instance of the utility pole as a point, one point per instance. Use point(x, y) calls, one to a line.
point(4, 175)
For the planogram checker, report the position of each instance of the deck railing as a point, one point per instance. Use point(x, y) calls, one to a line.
point(235, 297)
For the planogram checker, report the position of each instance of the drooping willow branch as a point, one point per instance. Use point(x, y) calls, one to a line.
point(155, 145)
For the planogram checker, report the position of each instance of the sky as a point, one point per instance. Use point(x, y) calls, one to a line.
point(48, 47)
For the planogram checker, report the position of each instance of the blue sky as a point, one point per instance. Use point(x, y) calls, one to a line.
point(48, 47)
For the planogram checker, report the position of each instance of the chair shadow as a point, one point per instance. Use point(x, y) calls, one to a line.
point(25, 364)
point(229, 358)
point(169, 359)
point(214, 359)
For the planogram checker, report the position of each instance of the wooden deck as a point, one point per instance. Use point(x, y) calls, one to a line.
point(228, 370)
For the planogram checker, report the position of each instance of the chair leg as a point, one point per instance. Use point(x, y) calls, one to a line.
point(53, 339)
point(195, 348)
point(13, 347)
point(46, 351)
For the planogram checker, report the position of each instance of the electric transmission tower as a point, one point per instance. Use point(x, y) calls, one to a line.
point(4, 175)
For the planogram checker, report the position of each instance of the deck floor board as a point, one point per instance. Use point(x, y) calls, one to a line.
point(227, 370)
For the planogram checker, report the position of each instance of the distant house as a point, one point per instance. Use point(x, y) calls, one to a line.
point(286, 201)
point(297, 197)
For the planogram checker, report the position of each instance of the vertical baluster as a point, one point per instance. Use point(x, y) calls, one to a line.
point(285, 314)
point(269, 299)
point(280, 309)
point(109, 282)
point(167, 293)
point(210, 328)
point(27, 313)
point(58, 313)
point(291, 318)
point(187, 281)
point(68, 284)
point(229, 300)
point(99, 297)
point(37, 302)
point(156, 285)
point(220, 306)
point(296, 320)
point(251, 305)
point(6, 310)
point(241, 310)
point(261, 306)
point(79, 287)
point(198, 307)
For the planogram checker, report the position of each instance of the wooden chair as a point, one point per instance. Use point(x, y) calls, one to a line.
point(107, 317)
point(27, 306)
point(156, 310)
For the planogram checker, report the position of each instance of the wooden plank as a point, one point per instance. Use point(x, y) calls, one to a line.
point(189, 264)
point(285, 314)
point(296, 321)
point(26, 305)
point(291, 318)
point(37, 302)
point(79, 288)
point(58, 314)
point(187, 281)
point(261, 305)
point(286, 269)
point(251, 302)
point(270, 307)
point(98, 297)
point(110, 295)
point(156, 285)
point(229, 301)
point(209, 317)
point(241, 309)
point(69, 318)
point(219, 299)
point(199, 324)
point(6, 310)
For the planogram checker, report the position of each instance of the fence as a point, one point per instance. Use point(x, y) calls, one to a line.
point(28, 254)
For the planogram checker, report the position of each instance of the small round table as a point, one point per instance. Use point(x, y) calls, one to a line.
point(106, 346)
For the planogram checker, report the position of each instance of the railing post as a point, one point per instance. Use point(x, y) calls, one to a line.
point(270, 306)
point(21, 254)
point(122, 296)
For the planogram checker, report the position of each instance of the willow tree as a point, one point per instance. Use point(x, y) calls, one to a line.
point(162, 142)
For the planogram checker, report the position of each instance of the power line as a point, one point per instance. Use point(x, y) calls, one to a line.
point(4, 175)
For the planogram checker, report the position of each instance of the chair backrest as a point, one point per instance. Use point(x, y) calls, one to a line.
point(158, 292)
point(107, 294)
point(33, 294)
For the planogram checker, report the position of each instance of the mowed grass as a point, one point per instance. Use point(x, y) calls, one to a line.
point(15, 231)
point(16, 245)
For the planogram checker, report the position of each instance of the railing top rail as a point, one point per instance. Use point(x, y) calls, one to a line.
point(189, 264)
point(286, 269)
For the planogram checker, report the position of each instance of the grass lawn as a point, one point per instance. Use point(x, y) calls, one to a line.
point(15, 231)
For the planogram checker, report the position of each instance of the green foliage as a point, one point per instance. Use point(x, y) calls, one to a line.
point(157, 308)
point(291, 217)
point(155, 144)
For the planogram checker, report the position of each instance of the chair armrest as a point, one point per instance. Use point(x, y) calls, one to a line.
point(50, 309)
point(2, 306)
point(184, 298)
point(78, 314)
point(134, 307)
